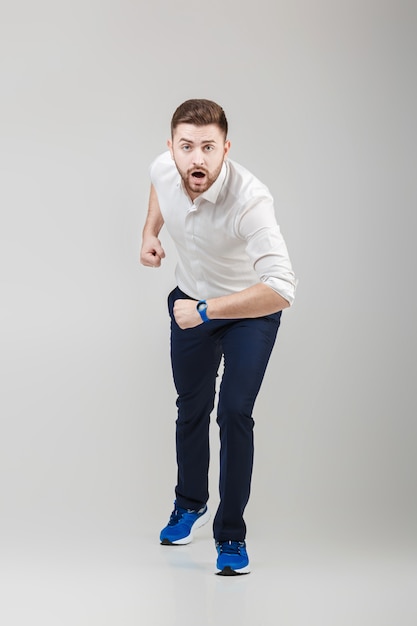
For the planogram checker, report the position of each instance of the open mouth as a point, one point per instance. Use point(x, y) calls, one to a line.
point(198, 174)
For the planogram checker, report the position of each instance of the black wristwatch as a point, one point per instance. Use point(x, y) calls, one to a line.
point(202, 308)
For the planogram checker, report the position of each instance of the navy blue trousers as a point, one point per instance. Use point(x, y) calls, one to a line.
point(196, 353)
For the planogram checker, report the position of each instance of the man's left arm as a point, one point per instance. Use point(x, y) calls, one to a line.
point(255, 301)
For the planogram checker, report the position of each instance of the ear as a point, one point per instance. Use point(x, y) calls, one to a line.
point(169, 144)
point(227, 145)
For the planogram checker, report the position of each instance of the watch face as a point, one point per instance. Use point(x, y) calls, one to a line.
point(201, 306)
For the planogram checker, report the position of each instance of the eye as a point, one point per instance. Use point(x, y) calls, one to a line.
point(185, 148)
point(209, 148)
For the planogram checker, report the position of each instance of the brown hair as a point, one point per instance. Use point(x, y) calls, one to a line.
point(200, 113)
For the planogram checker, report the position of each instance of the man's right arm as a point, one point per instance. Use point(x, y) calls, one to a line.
point(152, 252)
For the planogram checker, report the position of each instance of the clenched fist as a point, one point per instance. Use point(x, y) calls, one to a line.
point(152, 252)
point(186, 314)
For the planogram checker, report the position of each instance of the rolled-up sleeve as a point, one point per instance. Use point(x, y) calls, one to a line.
point(266, 247)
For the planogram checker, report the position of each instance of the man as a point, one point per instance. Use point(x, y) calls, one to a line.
point(234, 278)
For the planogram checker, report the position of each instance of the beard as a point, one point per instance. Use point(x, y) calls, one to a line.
point(198, 179)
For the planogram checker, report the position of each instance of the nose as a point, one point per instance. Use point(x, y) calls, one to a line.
point(198, 156)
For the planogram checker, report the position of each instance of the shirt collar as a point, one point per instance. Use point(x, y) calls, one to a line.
point(212, 192)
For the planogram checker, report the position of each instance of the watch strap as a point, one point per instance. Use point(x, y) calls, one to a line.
point(202, 308)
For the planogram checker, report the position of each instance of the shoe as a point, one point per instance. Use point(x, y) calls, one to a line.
point(232, 558)
point(182, 524)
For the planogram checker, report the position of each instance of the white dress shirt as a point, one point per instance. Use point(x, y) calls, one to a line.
point(228, 239)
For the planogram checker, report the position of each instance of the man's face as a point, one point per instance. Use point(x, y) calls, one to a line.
point(198, 152)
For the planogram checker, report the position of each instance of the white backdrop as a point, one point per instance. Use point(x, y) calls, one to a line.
point(321, 101)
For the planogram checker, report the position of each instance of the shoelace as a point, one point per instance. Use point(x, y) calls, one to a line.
point(176, 516)
point(230, 547)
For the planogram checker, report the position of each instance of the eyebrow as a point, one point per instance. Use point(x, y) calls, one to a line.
point(190, 141)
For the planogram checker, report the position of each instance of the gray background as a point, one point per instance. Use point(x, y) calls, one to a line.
point(321, 100)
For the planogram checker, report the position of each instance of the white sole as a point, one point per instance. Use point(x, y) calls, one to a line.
point(233, 572)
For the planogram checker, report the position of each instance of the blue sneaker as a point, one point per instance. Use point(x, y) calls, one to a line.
point(232, 558)
point(182, 524)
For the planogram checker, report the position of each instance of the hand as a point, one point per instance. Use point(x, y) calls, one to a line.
point(186, 314)
point(152, 252)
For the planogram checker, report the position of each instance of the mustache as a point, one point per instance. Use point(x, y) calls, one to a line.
point(192, 170)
